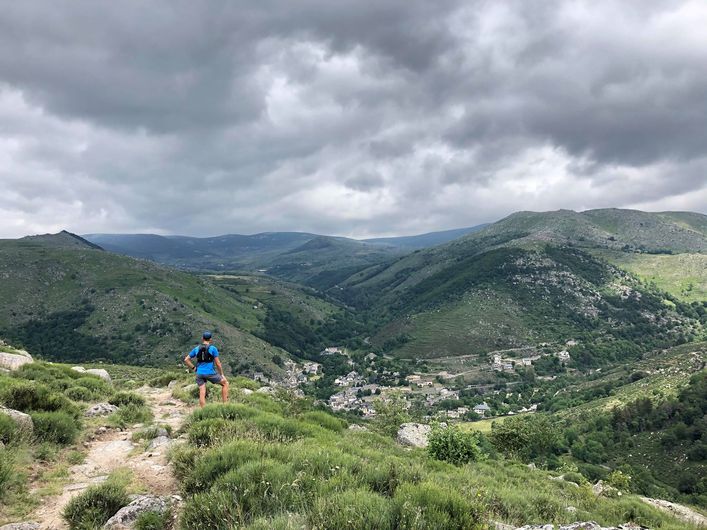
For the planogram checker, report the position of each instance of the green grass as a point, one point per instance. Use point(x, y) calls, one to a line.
point(78, 304)
point(682, 275)
point(248, 466)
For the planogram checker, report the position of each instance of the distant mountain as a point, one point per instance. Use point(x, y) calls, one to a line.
point(532, 278)
point(64, 299)
point(314, 259)
point(63, 239)
point(430, 239)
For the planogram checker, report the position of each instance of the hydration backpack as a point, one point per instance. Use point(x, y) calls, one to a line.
point(204, 355)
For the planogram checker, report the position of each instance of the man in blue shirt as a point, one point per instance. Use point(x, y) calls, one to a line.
point(208, 368)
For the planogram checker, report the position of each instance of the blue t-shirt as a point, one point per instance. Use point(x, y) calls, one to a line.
point(205, 368)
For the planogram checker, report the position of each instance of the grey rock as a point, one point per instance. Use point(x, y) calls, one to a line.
point(414, 434)
point(127, 516)
point(588, 525)
point(28, 525)
point(160, 441)
point(12, 361)
point(172, 384)
point(246, 391)
point(24, 421)
point(100, 372)
point(266, 390)
point(100, 409)
point(358, 428)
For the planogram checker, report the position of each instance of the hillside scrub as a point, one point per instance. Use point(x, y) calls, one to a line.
point(92, 508)
point(263, 467)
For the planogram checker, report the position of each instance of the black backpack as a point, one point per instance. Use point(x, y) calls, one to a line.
point(204, 355)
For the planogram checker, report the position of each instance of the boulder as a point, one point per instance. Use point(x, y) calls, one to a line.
point(603, 489)
point(100, 409)
point(266, 390)
point(24, 421)
point(172, 384)
point(28, 525)
point(358, 428)
point(246, 391)
point(159, 442)
point(12, 361)
point(414, 434)
point(100, 372)
point(126, 517)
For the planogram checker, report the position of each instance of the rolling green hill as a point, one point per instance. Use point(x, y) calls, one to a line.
point(308, 258)
point(534, 278)
point(66, 300)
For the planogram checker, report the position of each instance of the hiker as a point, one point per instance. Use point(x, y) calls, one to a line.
point(206, 356)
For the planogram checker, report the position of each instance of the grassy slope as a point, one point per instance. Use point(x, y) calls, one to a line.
point(425, 288)
point(314, 473)
point(682, 275)
point(667, 373)
point(125, 293)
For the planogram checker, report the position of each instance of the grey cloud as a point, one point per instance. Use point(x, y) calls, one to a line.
point(128, 116)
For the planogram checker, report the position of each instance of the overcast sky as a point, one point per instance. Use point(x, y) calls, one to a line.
point(359, 118)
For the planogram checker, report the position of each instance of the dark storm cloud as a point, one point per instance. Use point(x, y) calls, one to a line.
point(345, 117)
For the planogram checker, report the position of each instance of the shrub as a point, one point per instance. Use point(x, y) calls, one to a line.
point(429, 505)
point(214, 431)
point(150, 433)
point(575, 477)
point(164, 379)
point(327, 421)
point(217, 462)
point(526, 438)
point(121, 399)
point(353, 510)
point(130, 414)
point(454, 446)
point(263, 487)
point(46, 452)
point(227, 411)
point(619, 480)
point(153, 520)
point(79, 393)
point(244, 382)
point(58, 427)
point(215, 510)
point(183, 459)
point(7, 470)
point(9, 430)
point(92, 508)
point(27, 397)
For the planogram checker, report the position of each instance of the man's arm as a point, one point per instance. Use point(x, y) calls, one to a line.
point(219, 368)
point(187, 361)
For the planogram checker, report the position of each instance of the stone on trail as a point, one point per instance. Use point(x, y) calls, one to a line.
point(23, 421)
point(29, 525)
point(126, 517)
point(13, 361)
point(100, 409)
point(159, 442)
point(414, 434)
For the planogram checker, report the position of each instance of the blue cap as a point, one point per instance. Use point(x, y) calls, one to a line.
point(206, 335)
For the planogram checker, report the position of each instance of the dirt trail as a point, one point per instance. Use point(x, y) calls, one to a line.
point(111, 450)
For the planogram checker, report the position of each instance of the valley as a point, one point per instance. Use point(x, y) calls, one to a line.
point(591, 326)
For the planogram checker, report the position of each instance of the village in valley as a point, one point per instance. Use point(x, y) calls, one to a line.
point(357, 383)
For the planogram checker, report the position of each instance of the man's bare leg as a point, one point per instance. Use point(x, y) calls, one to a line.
point(224, 391)
point(202, 395)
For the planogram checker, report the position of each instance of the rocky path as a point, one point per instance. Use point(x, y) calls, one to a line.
point(111, 450)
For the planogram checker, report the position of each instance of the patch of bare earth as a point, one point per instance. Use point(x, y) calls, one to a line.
point(683, 513)
point(111, 450)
